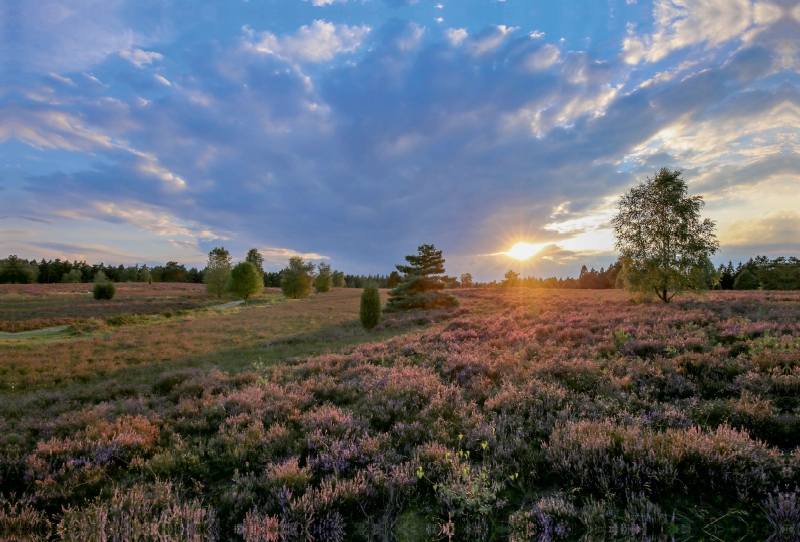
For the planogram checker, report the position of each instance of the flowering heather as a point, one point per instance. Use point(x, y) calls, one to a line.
point(524, 415)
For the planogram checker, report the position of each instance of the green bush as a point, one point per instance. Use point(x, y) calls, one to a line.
point(370, 312)
point(104, 290)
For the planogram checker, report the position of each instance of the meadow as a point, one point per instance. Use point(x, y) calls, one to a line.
point(522, 415)
point(35, 306)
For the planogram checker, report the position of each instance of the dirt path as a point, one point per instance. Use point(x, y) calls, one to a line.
point(227, 305)
point(31, 333)
point(47, 330)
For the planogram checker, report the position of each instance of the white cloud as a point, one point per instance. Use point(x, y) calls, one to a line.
point(139, 58)
point(682, 23)
point(779, 227)
point(543, 58)
point(145, 218)
point(456, 35)
point(65, 80)
point(323, 2)
point(162, 80)
point(319, 42)
point(280, 256)
point(490, 42)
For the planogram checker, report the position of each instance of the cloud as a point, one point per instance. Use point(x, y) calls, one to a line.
point(280, 256)
point(319, 42)
point(683, 23)
point(323, 2)
point(543, 58)
point(490, 40)
point(777, 228)
point(139, 58)
point(456, 35)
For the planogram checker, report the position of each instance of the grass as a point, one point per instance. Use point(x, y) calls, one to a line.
point(35, 306)
point(231, 339)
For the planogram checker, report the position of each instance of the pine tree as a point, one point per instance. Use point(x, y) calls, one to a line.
point(422, 283)
point(370, 312)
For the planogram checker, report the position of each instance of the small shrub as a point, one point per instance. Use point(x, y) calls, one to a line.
point(370, 313)
point(104, 290)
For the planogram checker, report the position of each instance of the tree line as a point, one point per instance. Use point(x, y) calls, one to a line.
point(759, 272)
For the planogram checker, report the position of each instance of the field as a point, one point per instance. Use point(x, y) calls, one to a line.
point(523, 415)
point(34, 306)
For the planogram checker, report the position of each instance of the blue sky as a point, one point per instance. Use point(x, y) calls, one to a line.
point(354, 131)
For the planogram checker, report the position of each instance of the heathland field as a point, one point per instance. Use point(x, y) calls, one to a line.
point(522, 415)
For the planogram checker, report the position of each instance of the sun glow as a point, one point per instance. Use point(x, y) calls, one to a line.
point(523, 251)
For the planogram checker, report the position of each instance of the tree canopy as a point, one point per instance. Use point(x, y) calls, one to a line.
point(245, 280)
point(324, 280)
point(217, 271)
point(422, 282)
point(664, 245)
point(297, 278)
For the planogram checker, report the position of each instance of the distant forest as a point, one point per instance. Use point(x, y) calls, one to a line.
point(756, 273)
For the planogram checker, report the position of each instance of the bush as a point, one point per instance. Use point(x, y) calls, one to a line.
point(104, 290)
point(370, 312)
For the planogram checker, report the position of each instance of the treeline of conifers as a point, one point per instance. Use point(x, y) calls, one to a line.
point(756, 273)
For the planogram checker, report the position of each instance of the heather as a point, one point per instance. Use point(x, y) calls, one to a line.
point(522, 415)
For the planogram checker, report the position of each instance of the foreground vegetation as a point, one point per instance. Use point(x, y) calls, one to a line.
point(523, 415)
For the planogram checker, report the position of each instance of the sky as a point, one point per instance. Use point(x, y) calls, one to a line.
point(353, 131)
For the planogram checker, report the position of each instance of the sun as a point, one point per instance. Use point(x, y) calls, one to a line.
point(523, 251)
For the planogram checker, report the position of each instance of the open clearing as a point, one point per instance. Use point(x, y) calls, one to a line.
point(575, 413)
point(34, 306)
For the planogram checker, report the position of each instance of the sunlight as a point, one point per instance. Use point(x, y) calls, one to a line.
point(523, 251)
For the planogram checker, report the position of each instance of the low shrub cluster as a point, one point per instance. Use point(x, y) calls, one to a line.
point(525, 416)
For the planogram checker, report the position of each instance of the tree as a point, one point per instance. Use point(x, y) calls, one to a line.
point(144, 274)
point(466, 280)
point(14, 270)
point(422, 283)
point(255, 258)
point(217, 271)
point(297, 279)
point(512, 278)
point(370, 311)
point(74, 276)
point(324, 280)
point(338, 279)
point(174, 272)
point(245, 281)
point(393, 280)
point(746, 281)
point(100, 277)
point(664, 245)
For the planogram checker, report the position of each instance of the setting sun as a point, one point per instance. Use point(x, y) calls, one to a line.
point(523, 251)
